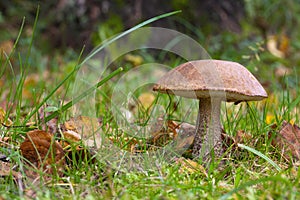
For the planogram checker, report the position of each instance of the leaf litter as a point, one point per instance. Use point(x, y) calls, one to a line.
point(48, 152)
point(287, 140)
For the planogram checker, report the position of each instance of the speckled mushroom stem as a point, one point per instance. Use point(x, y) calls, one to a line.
point(208, 129)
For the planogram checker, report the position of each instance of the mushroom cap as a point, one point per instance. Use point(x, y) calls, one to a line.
point(227, 80)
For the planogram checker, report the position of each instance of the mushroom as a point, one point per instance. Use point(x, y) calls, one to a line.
point(210, 81)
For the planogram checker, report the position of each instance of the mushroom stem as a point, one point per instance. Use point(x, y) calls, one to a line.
point(208, 129)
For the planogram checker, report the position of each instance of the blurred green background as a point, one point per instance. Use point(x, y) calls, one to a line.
point(261, 34)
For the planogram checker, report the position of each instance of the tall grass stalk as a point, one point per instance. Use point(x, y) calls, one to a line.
point(98, 49)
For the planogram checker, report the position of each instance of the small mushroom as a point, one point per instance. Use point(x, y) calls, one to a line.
point(210, 81)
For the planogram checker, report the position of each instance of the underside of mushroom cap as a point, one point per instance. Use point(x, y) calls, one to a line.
point(211, 78)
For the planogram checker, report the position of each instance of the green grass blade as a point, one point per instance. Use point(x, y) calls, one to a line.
point(54, 90)
point(293, 104)
point(25, 66)
point(76, 68)
point(32, 37)
point(12, 97)
point(8, 57)
point(254, 182)
point(84, 94)
point(260, 155)
point(127, 32)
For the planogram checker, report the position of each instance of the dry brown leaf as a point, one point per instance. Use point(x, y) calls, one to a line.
point(83, 125)
point(242, 137)
point(41, 150)
point(52, 125)
point(185, 138)
point(6, 47)
point(71, 143)
point(161, 134)
point(70, 140)
point(86, 128)
point(77, 131)
point(71, 136)
point(288, 140)
point(165, 134)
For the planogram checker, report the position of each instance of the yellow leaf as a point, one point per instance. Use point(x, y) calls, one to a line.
point(190, 166)
point(272, 47)
point(3, 120)
point(270, 119)
point(278, 45)
point(146, 99)
point(284, 43)
point(136, 60)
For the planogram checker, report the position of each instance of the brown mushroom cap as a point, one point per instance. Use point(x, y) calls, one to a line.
point(211, 78)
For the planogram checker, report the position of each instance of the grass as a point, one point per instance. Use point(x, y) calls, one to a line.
point(255, 171)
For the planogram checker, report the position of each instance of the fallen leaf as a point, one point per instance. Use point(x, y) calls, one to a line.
point(136, 60)
point(6, 48)
point(270, 118)
point(288, 140)
point(278, 45)
point(83, 124)
point(29, 87)
point(71, 136)
point(3, 119)
point(41, 150)
point(166, 133)
point(80, 135)
point(52, 125)
point(86, 128)
point(139, 105)
point(74, 151)
point(70, 140)
point(190, 166)
point(185, 139)
point(284, 43)
point(146, 100)
point(242, 137)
